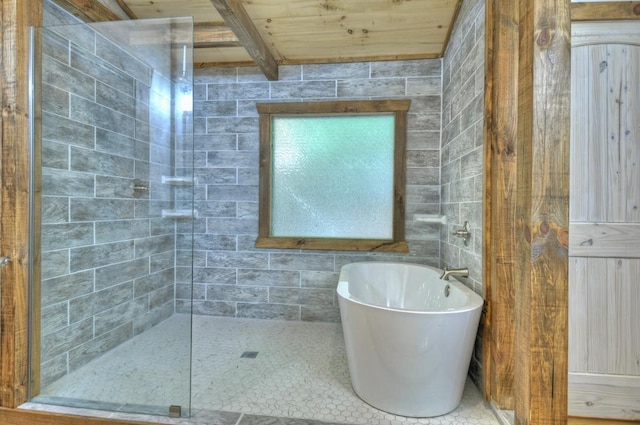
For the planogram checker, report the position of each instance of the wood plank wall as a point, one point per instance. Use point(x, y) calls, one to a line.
point(542, 212)
point(500, 199)
point(17, 15)
point(502, 31)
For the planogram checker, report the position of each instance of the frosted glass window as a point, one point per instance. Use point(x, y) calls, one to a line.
point(350, 195)
point(331, 179)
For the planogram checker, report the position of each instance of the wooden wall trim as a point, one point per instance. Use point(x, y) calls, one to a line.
point(31, 417)
point(344, 59)
point(542, 212)
point(203, 65)
point(605, 11)
point(17, 15)
point(88, 10)
point(500, 189)
point(315, 61)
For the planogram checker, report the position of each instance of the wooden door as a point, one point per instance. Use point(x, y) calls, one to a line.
point(604, 246)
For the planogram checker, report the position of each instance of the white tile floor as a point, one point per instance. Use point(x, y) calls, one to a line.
point(300, 371)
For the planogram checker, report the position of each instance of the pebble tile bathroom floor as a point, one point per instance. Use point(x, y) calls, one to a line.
point(298, 376)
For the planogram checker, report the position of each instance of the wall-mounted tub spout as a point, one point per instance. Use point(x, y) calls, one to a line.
point(463, 272)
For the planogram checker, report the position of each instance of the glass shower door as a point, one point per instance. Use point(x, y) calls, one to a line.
point(112, 214)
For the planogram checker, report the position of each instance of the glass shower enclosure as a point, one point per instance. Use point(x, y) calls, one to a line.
point(112, 213)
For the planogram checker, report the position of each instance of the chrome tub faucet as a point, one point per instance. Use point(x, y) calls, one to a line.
point(463, 272)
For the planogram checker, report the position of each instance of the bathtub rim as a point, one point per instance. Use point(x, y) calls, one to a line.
point(475, 301)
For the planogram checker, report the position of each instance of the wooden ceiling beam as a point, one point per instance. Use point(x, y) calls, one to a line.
point(214, 34)
point(88, 10)
point(126, 9)
point(238, 19)
point(205, 34)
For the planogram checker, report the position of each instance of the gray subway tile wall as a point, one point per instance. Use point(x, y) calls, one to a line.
point(236, 279)
point(463, 150)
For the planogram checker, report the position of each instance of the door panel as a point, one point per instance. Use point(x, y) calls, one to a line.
point(604, 245)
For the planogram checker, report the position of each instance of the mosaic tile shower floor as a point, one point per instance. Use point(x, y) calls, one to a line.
point(250, 367)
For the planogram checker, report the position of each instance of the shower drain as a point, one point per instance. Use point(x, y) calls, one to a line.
point(249, 354)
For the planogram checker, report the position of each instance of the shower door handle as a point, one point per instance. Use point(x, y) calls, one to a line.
point(4, 261)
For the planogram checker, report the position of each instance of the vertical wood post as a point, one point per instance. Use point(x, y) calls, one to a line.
point(17, 15)
point(501, 113)
point(542, 212)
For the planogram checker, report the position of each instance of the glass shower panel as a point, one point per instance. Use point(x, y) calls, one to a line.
point(112, 217)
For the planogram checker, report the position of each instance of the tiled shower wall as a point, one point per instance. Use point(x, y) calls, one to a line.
point(232, 277)
point(107, 256)
point(463, 147)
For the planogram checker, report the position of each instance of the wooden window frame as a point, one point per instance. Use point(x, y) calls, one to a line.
point(268, 111)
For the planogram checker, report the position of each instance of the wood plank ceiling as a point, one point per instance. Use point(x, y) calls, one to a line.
point(243, 32)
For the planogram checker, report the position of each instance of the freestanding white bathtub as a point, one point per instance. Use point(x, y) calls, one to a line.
point(409, 336)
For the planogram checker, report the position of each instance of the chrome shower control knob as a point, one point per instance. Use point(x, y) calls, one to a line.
point(464, 233)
